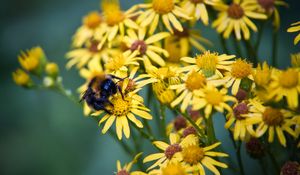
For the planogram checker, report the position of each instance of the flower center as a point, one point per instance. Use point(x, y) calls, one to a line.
point(241, 69)
point(213, 97)
point(121, 106)
point(92, 20)
point(112, 12)
point(139, 45)
point(123, 172)
point(272, 117)
point(195, 81)
point(289, 78)
point(290, 168)
point(172, 149)
point(163, 7)
point(207, 62)
point(266, 4)
point(241, 108)
point(193, 154)
point(179, 123)
point(235, 11)
point(241, 95)
point(173, 168)
point(189, 130)
point(255, 148)
point(196, 1)
point(182, 34)
point(94, 47)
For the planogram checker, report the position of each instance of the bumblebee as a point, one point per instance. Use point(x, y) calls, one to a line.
point(99, 90)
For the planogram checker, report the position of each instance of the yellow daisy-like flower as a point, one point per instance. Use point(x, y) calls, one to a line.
point(269, 7)
point(286, 84)
point(93, 70)
point(168, 10)
point(242, 120)
point(121, 111)
point(209, 63)
point(271, 120)
point(144, 46)
point(235, 17)
point(170, 151)
point(196, 9)
point(82, 56)
point(21, 78)
point(211, 98)
point(117, 21)
point(295, 27)
point(92, 24)
point(198, 157)
point(126, 169)
point(295, 60)
point(240, 70)
point(262, 75)
point(31, 59)
point(119, 64)
point(193, 83)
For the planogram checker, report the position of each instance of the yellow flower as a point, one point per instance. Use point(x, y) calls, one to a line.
point(52, 69)
point(295, 27)
point(165, 77)
point(134, 84)
point(198, 157)
point(119, 64)
point(21, 78)
point(31, 59)
point(196, 9)
point(235, 17)
point(295, 60)
point(82, 56)
point(93, 70)
point(172, 168)
point(193, 81)
point(171, 151)
point(117, 20)
point(122, 110)
point(242, 120)
point(209, 63)
point(126, 169)
point(262, 75)
point(139, 44)
point(269, 7)
point(271, 120)
point(168, 10)
point(286, 84)
point(92, 25)
point(211, 98)
point(240, 70)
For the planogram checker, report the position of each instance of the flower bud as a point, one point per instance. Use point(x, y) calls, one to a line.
point(290, 168)
point(21, 78)
point(255, 148)
point(52, 69)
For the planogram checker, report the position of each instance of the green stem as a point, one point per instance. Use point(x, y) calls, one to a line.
point(262, 166)
point(274, 48)
point(237, 47)
point(200, 132)
point(137, 150)
point(251, 52)
point(239, 158)
point(274, 161)
point(232, 139)
point(121, 142)
point(163, 120)
point(260, 33)
point(223, 44)
point(144, 134)
point(210, 130)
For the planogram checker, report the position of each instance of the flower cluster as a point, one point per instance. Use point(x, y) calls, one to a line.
point(131, 60)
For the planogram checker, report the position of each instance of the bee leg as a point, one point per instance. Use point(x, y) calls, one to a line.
point(120, 90)
point(99, 107)
point(118, 78)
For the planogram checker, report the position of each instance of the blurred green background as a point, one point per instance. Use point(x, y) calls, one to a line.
point(43, 133)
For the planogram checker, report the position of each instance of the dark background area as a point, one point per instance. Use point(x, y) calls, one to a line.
point(43, 132)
